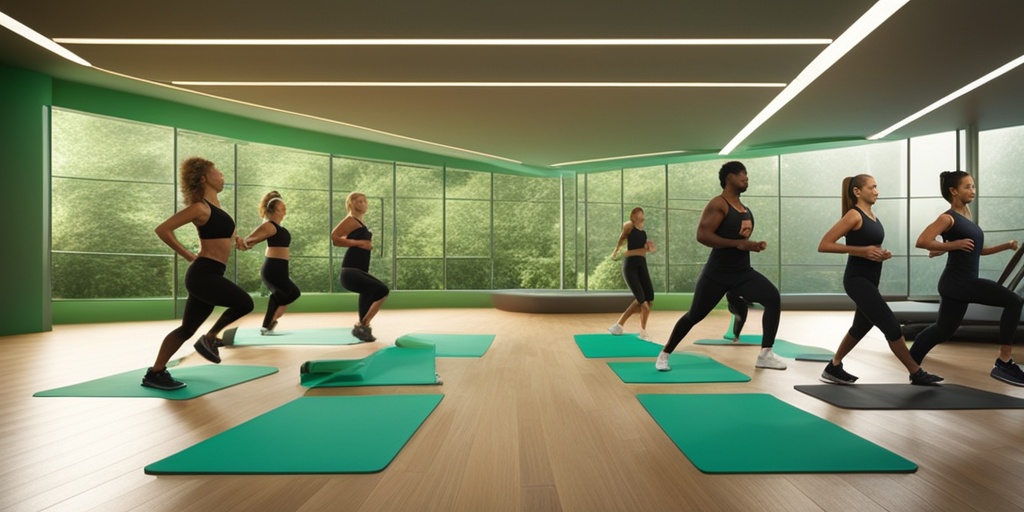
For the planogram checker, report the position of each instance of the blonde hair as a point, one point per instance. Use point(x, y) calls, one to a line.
point(190, 178)
point(635, 211)
point(268, 205)
point(352, 199)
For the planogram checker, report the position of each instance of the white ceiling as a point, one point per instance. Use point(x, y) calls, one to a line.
point(927, 50)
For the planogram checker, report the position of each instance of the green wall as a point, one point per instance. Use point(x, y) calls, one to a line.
point(25, 301)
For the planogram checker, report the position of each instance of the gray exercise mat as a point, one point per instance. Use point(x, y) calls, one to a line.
point(907, 396)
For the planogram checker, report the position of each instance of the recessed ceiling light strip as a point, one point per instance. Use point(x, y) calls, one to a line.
point(860, 29)
point(608, 159)
point(442, 42)
point(19, 28)
point(200, 83)
point(956, 94)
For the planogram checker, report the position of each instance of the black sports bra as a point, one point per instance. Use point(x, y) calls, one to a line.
point(219, 225)
point(280, 239)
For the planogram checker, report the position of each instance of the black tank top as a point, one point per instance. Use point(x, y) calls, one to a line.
point(219, 225)
point(357, 257)
point(636, 239)
point(963, 264)
point(729, 259)
point(870, 233)
point(280, 239)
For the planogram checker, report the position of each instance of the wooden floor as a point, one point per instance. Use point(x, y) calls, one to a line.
point(532, 425)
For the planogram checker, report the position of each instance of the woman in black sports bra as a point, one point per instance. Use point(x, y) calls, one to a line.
point(274, 271)
point(864, 236)
point(634, 271)
point(207, 287)
point(355, 267)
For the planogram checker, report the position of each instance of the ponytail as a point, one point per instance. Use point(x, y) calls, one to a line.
point(849, 184)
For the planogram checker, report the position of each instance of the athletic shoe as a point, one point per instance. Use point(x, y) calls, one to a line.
point(923, 378)
point(768, 359)
point(1008, 372)
point(615, 329)
point(836, 375)
point(662, 363)
point(265, 331)
point(437, 379)
point(161, 380)
point(363, 333)
point(207, 347)
point(643, 335)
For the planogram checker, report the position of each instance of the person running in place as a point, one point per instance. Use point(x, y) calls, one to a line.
point(634, 271)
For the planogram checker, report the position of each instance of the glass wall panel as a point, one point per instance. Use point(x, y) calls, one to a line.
point(571, 246)
point(527, 232)
point(1000, 193)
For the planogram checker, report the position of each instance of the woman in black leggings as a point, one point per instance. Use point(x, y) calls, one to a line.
point(634, 271)
point(274, 271)
point(959, 285)
point(864, 235)
point(726, 225)
point(355, 267)
point(207, 287)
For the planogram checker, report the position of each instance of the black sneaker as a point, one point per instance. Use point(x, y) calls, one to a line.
point(923, 378)
point(161, 380)
point(363, 333)
point(207, 348)
point(1008, 372)
point(836, 375)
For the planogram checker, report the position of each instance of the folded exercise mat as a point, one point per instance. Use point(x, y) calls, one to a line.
point(758, 433)
point(199, 380)
point(249, 337)
point(782, 347)
point(313, 434)
point(607, 345)
point(392, 366)
point(686, 369)
point(906, 396)
point(449, 345)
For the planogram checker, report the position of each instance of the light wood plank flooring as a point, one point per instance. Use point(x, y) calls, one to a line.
point(531, 426)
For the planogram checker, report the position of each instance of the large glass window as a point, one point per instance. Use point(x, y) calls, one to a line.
point(419, 228)
point(929, 156)
point(527, 243)
point(106, 200)
point(467, 230)
point(1000, 191)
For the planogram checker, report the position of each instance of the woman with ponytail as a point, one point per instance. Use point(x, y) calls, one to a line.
point(864, 236)
point(274, 271)
point(959, 284)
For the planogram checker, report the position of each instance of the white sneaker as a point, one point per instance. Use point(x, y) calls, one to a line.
point(662, 363)
point(643, 335)
point(437, 379)
point(615, 329)
point(768, 359)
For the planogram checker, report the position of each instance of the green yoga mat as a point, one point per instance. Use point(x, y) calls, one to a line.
point(199, 380)
point(686, 369)
point(392, 366)
point(908, 397)
point(449, 345)
point(250, 337)
point(607, 345)
point(782, 347)
point(758, 433)
point(310, 435)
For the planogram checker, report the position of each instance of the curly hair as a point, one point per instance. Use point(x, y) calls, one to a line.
point(190, 178)
point(268, 205)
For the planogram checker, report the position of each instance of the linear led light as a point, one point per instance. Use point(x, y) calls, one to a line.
point(860, 29)
point(617, 158)
point(331, 121)
point(475, 84)
point(956, 94)
point(18, 28)
point(439, 42)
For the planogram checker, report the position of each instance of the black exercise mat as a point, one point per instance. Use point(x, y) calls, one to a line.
point(907, 396)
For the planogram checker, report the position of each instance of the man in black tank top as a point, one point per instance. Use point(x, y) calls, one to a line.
point(726, 226)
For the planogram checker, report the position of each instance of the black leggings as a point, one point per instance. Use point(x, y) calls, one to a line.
point(283, 291)
point(369, 288)
point(748, 285)
point(955, 294)
point(872, 309)
point(634, 271)
point(207, 287)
